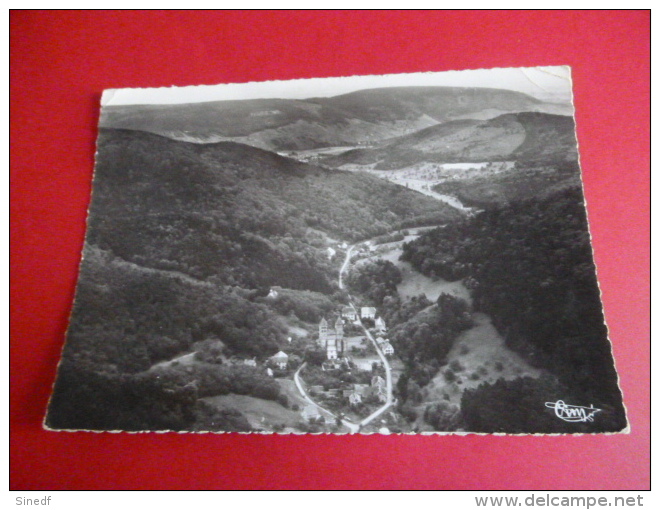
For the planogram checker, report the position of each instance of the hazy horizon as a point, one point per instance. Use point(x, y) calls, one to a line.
point(550, 83)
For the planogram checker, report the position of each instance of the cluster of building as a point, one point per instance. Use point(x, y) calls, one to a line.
point(331, 338)
point(356, 393)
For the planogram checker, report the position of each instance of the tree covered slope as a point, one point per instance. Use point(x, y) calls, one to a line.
point(531, 269)
point(364, 116)
point(529, 137)
point(241, 215)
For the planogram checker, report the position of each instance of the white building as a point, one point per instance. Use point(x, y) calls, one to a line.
point(387, 349)
point(368, 312)
point(354, 399)
point(281, 359)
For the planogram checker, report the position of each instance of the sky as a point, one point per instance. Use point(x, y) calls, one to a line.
point(550, 83)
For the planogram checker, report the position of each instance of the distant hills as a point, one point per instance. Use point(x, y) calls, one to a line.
point(357, 118)
point(237, 214)
point(530, 137)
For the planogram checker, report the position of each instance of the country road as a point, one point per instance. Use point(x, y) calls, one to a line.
point(348, 424)
point(388, 369)
point(344, 266)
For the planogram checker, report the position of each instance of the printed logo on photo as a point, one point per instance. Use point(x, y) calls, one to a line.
point(571, 413)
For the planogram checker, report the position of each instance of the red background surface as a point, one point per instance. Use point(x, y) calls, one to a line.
point(61, 62)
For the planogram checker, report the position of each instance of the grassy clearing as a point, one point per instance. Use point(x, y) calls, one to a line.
point(415, 283)
point(261, 414)
point(479, 355)
point(288, 388)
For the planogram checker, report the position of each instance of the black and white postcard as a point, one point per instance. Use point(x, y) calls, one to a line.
point(380, 254)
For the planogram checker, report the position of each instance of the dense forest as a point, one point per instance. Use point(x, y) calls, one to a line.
point(530, 267)
point(239, 215)
point(127, 318)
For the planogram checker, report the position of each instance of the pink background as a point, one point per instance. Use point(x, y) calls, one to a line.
point(62, 61)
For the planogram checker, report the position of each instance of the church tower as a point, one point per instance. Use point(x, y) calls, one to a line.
point(323, 331)
point(339, 329)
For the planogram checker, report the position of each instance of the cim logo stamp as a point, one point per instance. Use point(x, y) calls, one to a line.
point(571, 413)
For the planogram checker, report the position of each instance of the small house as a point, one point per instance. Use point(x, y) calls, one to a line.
point(387, 348)
point(281, 360)
point(368, 312)
point(354, 399)
point(310, 413)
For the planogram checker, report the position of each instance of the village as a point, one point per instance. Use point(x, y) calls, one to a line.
point(345, 377)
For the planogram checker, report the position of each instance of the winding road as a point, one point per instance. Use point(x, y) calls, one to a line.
point(348, 424)
point(389, 402)
point(388, 369)
point(353, 427)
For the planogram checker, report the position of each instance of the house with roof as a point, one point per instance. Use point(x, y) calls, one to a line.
point(354, 399)
point(379, 388)
point(381, 393)
point(310, 413)
point(380, 325)
point(387, 349)
point(332, 338)
point(349, 313)
point(281, 360)
point(368, 312)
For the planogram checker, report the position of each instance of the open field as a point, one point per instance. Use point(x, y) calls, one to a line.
point(261, 414)
point(479, 355)
point(415, 283)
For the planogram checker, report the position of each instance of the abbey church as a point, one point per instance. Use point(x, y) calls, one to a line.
point(332, 339)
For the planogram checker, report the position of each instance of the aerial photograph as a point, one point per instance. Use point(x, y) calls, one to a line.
point(398, 254)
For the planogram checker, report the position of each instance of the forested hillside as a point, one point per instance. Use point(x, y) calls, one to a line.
point(184, 242)
point(530, 137)
point(237, 214)
point(531, 268)
point(294, 124)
